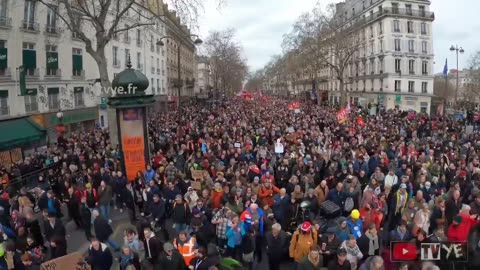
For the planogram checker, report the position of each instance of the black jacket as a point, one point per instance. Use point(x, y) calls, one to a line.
point(364, 244)
point(33, 227)
point(158, 209)
point(204, 264)
point(43, 201)
point(85, 215)
point(57, 230)
point(334, 265)
point(174, 262)
point(153, 248)
point(129, 198)
point(329, 246)
point(102, 229)
point(100, 259)
point(277, 247)
point(181, 214)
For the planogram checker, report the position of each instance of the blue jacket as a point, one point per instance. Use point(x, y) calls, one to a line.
point(149, 174)
point(280, 206)
point(358, 167)
point(355, 228)
point(337, 197)
point(246, 217)
point(231, 234)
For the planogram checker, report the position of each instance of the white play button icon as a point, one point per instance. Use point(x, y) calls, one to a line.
point(404, 251)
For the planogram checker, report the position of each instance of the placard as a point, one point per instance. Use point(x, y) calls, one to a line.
point(279, 149)
point(198, 175)
point(296, 111)
point(237, 145)
point(72, 261)
point(196, 185)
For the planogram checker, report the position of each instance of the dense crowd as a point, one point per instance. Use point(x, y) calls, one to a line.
point(276, 185)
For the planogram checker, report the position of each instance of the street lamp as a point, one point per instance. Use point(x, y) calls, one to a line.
point(457, 50)
point(197, 41)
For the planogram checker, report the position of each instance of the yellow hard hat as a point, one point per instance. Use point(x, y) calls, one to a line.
point(355, 214)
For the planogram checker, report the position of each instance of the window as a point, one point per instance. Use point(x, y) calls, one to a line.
point(381, 45)
point(381, 63)
point(29, 58)
point(423, 28)
point(411, 47)
point(396, 26)
point(422, 11)
point(3, 9)
point(152, 67)
point(139, 61)
point(52, 60)
point(371, 48)
point(116, 62)
point(397, 45)
point(31, 104)
point(152, 45)
point(380, 28)
point(410, 27)
point(395, 8)
point(29, 15)
point(424, 47)
point(411, 66)
point(127, 56)
point(4, 109)
point(158, 85)
point(139, 37)
point(77, 62)
point(371, 31)
point(372, 66)
point(425, 67)
point(398, 86)
point(53, 100)
point(408, 9)
point(424, 87)
point(52, 19)
point(152, 85)
point(398, 67)
point(78, 96)
point(411, 86)
point(126, 36)
point(158, 66)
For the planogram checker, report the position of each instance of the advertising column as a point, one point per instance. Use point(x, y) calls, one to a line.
point(132, 130)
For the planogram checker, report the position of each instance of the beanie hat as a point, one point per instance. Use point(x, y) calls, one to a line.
point(457, 219)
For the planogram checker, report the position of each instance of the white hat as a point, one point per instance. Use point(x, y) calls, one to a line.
point(403, 185)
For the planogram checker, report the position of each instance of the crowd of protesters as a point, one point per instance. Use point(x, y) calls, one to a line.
point(275, 185)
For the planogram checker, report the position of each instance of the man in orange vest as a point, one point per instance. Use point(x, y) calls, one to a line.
point(186, 245)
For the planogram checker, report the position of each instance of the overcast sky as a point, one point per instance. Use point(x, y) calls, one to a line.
point(260, 25)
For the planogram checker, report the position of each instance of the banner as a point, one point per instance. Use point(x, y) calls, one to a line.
point(72, 261)
point(133, 143)
point(342, 115)
point(294, 105)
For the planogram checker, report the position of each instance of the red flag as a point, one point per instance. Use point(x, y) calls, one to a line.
point(360, 121)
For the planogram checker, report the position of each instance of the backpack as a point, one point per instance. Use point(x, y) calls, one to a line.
point(298, 235)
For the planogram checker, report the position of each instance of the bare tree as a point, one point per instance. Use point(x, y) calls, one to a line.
point(327, 40)
point(229, 66)
point(95, 22)
point(255, 81)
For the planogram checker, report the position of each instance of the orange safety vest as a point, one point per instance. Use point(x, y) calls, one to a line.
point(187, 250)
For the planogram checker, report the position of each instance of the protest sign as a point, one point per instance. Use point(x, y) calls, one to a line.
point(72, 261)
point(198, 174)
point(279, 148)
point(342, 115)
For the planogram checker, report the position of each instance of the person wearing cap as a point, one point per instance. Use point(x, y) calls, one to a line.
point(170, 259)
point(302, 240)
point(341, 262)
point(329, 244)
point(399, 203)
point(355, 224)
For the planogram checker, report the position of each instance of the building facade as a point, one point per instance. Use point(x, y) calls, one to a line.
point(205, 79)
point(180, 49)
point(60, 74)
point(394, 64)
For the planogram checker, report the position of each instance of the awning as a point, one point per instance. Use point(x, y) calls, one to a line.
point(19, 131)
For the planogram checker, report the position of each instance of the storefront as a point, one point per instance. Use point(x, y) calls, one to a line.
point(17, 138)
point(73, 120)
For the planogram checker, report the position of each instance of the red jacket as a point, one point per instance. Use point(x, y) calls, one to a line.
point(216, 199)
point(460, 232)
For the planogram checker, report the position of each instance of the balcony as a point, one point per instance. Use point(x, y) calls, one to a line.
point(30, 26)
point(53, 73)
point(409, 13)
point(5, 22)
point(4, 111)
point(53, 30)
point(5, 74)
point(32, 73)
point(78, 74)
point(76, 36)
